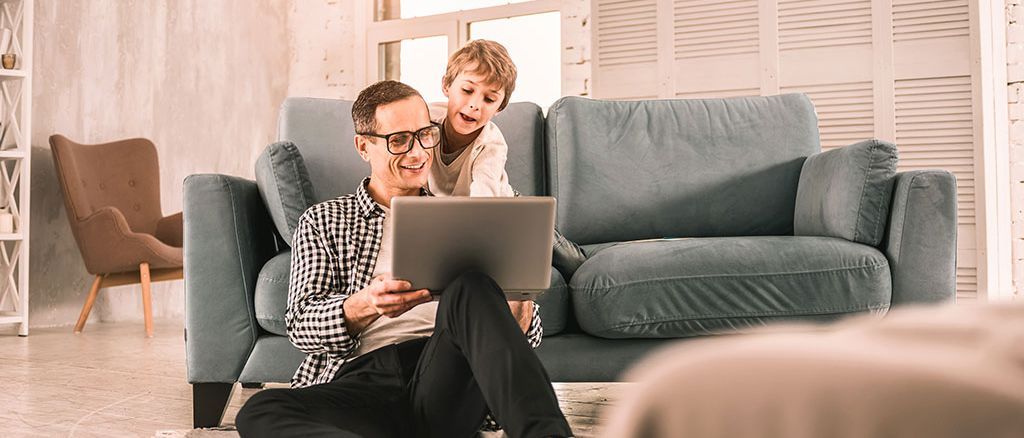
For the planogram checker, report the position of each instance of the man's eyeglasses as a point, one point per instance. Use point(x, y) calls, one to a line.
point(402, 141)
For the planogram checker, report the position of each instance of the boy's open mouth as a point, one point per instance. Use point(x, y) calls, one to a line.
point(467, 118)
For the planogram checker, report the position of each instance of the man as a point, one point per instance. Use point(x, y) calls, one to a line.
point(382, 358)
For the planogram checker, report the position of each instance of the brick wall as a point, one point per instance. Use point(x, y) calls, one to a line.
point(1015, 79)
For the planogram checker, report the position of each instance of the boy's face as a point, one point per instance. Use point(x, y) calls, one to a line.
point(472, 102)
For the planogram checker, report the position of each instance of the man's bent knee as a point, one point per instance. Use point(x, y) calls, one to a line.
point(258, 406)
point(471, 283)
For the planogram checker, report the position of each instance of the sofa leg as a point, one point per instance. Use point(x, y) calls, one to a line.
point(252, 385)
point(209, 401)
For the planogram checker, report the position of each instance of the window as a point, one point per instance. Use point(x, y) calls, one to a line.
point(537, 59)
point(410, 41)
point(418, 62)
point(391, 9)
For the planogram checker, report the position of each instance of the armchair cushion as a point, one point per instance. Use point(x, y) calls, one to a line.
point(669, 288)
point(845, 192)
point(285, 186)
point(169, 230)
point(109, 245)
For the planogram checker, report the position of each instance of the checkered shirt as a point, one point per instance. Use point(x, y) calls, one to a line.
point(334, 251)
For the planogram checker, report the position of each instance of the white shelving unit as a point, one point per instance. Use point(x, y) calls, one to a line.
point(15, 162)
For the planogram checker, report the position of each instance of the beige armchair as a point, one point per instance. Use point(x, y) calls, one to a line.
point(112, 197)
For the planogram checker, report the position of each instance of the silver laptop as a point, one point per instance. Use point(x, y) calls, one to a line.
point(437, 239)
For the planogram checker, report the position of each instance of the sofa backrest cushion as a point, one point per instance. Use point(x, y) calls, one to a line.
point(628, 170)
point(322, 131)
point(522, 125)
point(845, 192)
point(284, 185)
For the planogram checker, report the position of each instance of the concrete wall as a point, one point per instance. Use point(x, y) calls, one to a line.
point(202, 79)
point(321, 35)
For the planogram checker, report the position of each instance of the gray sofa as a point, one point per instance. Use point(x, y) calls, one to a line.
point(698, 217)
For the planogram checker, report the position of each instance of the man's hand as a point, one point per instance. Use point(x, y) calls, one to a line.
point(384, 296)
point(523, 312)
point(392, 298)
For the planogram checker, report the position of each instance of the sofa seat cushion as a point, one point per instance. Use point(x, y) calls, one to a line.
point(272, 293)
point(686, 287)
point(272, 298)
point(554, 305)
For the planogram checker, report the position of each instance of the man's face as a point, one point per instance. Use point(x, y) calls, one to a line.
point(405, 172)
point(471, 102)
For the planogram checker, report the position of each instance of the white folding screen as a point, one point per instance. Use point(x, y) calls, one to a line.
point(898, 70)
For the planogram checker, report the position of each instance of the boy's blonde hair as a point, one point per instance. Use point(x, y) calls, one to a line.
point(488, 59)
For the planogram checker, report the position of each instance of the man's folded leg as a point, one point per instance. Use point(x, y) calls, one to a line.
point(364, 401)
point(478, 357)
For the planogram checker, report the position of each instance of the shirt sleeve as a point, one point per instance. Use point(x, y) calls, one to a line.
point(315, 316)
point(535, 333)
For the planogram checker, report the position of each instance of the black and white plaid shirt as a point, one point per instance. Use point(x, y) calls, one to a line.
point(334, 251)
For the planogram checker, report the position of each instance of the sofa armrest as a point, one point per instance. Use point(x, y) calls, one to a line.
point(228, 237)
point(921, 238)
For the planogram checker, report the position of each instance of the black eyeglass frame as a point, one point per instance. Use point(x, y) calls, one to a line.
point(415, 137)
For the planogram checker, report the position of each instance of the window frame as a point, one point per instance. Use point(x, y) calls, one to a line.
point(455, 25)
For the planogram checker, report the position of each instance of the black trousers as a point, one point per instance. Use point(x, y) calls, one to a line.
point(442, 386)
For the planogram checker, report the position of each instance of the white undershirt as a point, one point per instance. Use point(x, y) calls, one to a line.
point(414, 324)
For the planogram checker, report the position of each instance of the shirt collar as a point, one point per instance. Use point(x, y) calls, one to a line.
point(367, 206)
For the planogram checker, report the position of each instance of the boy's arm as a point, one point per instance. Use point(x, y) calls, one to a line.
point(488, 176)
point(315, 317)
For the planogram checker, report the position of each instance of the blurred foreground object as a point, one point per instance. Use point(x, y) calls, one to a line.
point(948, 371)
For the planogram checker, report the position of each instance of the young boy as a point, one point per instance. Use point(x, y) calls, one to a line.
point(478, 83)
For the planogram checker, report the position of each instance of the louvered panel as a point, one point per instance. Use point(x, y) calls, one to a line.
point(823, 23)
point(845, 111)
point(711, 94)
point(635, 98)
point(966, 284)
point(626, 32)
point(916, 19)
point(935, 129)
point(709, 28)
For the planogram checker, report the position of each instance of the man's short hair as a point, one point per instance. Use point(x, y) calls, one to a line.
point(364, 110)
point(488, 59)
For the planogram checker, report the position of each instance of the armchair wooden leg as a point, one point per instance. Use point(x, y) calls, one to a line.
point(88, 303)
point(147, 298)
point(209, 401)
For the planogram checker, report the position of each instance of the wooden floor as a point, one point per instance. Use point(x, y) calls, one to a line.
point(112, 381)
